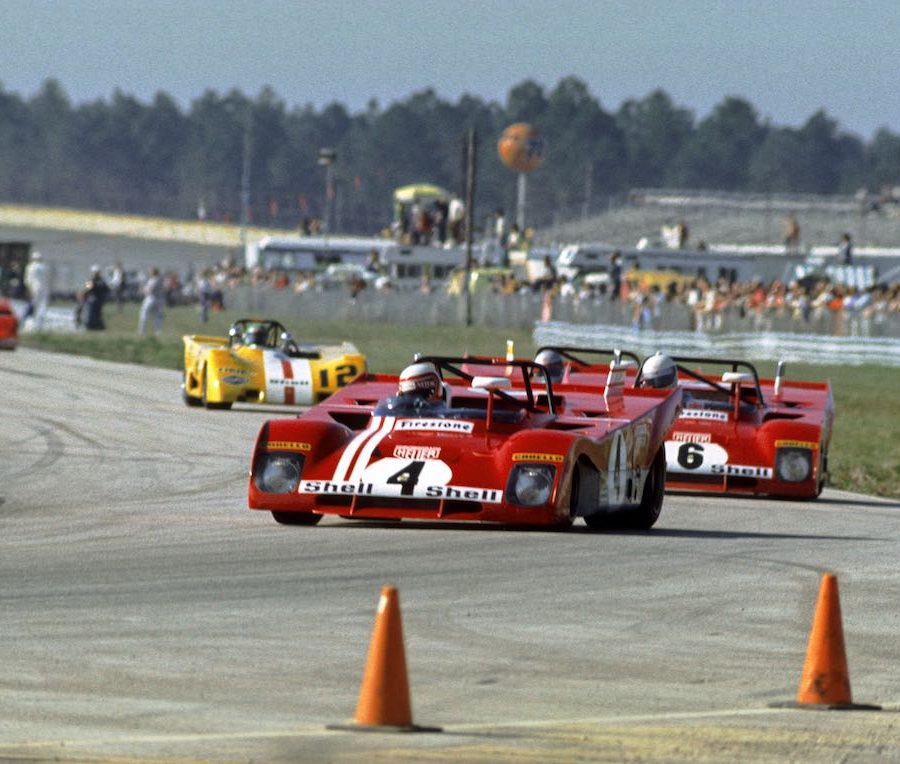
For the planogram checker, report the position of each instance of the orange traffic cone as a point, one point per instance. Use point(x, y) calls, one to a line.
point(825, 680)
point(384, 694)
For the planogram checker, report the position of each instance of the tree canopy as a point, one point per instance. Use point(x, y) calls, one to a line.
point(226, 149)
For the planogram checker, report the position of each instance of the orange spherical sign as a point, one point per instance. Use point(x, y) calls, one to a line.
point(521, 147)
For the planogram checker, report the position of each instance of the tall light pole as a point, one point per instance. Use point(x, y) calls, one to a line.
point(245, 179)
point(327, 158)
point(471, 144)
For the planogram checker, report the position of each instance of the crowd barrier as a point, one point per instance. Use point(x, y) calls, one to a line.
point(801, 348)
point(522, 310)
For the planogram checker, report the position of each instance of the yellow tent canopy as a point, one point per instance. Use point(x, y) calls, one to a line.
point(419, 192)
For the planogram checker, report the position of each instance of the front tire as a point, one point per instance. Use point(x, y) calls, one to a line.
point(823, 470)
point(644, 515)
point(205, 401)
point(296, 518)
point(189, 400)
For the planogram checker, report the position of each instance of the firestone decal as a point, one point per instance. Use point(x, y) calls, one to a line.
point(704, 414)
point(435, 425)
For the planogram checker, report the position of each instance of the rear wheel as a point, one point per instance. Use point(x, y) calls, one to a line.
point(296, 518)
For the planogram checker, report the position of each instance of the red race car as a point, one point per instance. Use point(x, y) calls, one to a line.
point(739, 434)
point(470, 439)
point(9, 326)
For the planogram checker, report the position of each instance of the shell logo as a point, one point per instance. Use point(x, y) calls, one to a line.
point(521, 147)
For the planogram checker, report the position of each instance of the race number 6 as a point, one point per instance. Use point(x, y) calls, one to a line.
point(690, 456)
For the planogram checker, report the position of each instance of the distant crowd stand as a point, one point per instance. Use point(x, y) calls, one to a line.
point(814, 306)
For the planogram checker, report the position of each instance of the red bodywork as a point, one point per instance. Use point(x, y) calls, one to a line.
point(599, 452)
point(9, 326)
point(718, 446)
point(739, 436)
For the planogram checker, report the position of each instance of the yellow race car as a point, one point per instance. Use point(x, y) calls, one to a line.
point(259, 362)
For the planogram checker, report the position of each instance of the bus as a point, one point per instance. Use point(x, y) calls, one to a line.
point(400, 263)
point(312, 253)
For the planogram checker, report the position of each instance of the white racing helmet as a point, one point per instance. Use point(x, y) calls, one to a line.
point(554, 363)
point(659, 371)
point(422, 380)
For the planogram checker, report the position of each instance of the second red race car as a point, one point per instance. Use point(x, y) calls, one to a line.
point(470, 439)
point(739, 434)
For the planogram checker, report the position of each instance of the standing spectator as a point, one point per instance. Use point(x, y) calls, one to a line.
point(37, 281)
point(683, 234)
point(204, 294)
point(501, 236)
point(500, 231)
point(615, 275)
point(373, 263)
point(456, 216)
point(845, 249)
point(96, 293)
point(441, 211)
point(791, 235)
point(117, 283)
point(515, 237)
point(154, 299)
point(547, 277)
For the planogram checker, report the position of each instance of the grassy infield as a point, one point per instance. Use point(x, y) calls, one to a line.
point(865, 448)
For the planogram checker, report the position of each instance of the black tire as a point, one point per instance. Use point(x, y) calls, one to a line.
point(823, 470)
point(190, 400)
point(644, 515)
point(296, 518)
point(205, 402)
point(585, 487)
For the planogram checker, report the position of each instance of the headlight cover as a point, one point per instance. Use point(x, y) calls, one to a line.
point(793, 465)
point(278, 473)
point(530, 484)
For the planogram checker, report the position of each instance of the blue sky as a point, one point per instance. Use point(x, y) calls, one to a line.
point(788, 58)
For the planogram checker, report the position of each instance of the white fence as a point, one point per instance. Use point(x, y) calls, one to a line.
point(523, 309)
point(854, 351)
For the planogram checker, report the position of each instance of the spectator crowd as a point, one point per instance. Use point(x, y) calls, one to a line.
point(644, 300)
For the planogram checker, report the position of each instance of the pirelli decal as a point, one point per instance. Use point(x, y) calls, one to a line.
point(417, 452)
point(534, 457)
point(288, 445)
point(692, 437)
point(796, 444)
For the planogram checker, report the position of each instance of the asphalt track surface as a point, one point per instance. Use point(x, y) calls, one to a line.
point(148, 615)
